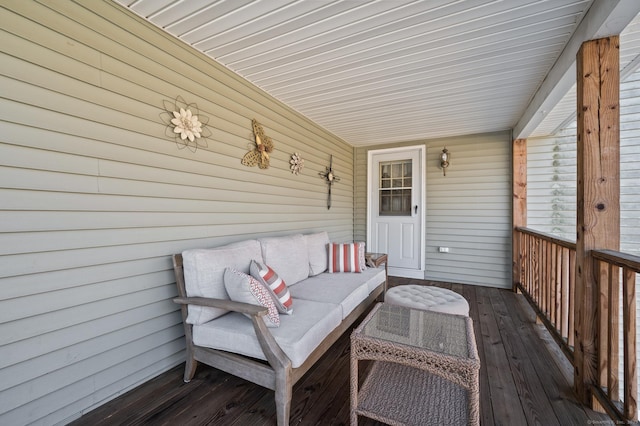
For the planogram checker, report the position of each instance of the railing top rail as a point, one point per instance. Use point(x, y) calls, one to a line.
point(623, 260)
point(548, 237)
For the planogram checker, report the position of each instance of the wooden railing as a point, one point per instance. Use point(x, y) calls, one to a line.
point(547, 280)
point(616, 280)
point(544, 268)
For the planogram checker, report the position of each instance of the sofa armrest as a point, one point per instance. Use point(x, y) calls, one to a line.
point(243, 308)
point(274, 354)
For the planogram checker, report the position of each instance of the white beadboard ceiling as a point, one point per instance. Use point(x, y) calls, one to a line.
point(384, 71)
point(565, 110)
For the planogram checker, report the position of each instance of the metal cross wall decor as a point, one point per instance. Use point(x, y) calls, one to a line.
point(331, 178)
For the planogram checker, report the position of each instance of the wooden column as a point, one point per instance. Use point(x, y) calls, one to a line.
point(519, 204)
point(598, 192)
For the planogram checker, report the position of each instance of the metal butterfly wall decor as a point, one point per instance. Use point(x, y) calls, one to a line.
point(260, 154)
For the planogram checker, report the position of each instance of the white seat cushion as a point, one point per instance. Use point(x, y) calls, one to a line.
point(298, 335)
point(428, 298)
point(345, 289)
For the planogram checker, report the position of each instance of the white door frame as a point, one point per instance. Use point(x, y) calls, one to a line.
point(422, 154)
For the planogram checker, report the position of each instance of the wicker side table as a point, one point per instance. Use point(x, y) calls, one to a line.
point(426, 368)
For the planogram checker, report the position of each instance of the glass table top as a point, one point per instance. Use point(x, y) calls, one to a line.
point(429, 330)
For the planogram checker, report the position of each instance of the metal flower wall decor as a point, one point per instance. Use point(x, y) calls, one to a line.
point(297, 163)
point(259, 155)
point(185, 124)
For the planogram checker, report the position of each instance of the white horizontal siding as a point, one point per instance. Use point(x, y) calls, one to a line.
point(551, 175)
point(469, 210)
point(630, 164)
point(551, 184)
point(95, 198)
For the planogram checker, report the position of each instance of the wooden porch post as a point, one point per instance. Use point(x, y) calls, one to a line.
point(519, 204)
point(598, 192)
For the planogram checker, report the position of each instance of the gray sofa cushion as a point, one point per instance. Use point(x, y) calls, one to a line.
point(287, 256)
point(204, 274)
point(317, 248)
point(298, 335)
point(345, 289)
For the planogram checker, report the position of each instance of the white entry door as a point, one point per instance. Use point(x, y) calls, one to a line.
point(396, 209)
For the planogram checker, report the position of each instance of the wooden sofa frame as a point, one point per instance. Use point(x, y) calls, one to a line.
point(277, 374)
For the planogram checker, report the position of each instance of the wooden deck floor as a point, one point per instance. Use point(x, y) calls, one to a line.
point(524, 380)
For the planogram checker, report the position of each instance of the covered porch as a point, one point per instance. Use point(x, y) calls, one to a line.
point(524, 380)
point(97, 194)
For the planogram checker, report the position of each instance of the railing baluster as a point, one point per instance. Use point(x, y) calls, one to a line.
point(548, 277)
point(558, 291)
point(551, 278)
point(525, 267)
point(565, 295)
point(532, 262)
point(552, 284)
point(534, 267)
point(544, 279)
point(613, 337)
point(603, 324)
point(630, 355)
point(572, 297)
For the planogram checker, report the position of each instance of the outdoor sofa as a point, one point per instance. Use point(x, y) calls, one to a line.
point(243, 338)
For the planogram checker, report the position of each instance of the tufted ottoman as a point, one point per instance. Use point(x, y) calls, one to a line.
point(428, 298)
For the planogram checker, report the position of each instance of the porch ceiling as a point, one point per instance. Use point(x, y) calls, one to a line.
point(375, 72)
point(565, 110)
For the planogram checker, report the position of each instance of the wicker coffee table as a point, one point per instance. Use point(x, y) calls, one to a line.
point(425, 369)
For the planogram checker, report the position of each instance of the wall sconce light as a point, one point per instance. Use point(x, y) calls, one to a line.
point(444, 160)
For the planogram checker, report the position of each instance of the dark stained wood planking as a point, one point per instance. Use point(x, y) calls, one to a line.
point(535, 404)
point(486, 410)
point(522, 380)
point(503, 392)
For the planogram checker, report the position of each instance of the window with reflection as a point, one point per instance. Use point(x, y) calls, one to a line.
point(395, 188)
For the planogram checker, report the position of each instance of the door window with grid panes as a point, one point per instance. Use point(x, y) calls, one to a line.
point(395, 188)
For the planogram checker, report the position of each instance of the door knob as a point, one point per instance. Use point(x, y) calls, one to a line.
point(415, 209)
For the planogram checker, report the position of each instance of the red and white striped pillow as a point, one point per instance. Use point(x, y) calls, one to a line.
point(345, 257)
point(274, 284)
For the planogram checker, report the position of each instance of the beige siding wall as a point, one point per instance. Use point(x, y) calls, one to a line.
point(468, 211)
point(95, 198)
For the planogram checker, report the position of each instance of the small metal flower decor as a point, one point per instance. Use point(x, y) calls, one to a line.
point(331, 178)
point(259, 155)
point(297, 163)
point(185, 124)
